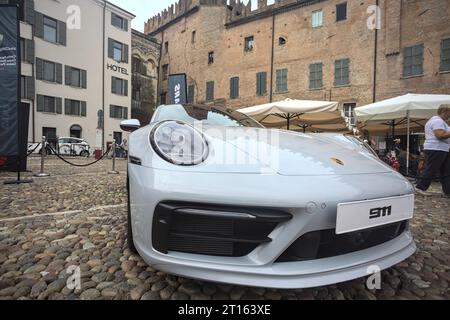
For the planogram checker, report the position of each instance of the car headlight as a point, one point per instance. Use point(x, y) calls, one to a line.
point(179, 143)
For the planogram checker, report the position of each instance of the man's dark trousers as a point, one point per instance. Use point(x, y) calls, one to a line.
point(438, 165)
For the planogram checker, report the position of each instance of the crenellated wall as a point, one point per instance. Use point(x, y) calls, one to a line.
point(237, 9)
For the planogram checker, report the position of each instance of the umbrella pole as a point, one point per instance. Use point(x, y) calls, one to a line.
point(408, 142)
point(288, 121)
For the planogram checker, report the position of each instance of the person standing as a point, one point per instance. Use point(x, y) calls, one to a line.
point(437, 150)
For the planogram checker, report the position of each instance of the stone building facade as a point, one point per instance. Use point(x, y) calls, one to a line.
point(241, 56)
point(145, 58)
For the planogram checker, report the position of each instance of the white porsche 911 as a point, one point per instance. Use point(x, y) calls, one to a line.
point(213, 195)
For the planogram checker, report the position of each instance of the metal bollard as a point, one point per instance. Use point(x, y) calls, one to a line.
point(113, 171)
point(42, 174)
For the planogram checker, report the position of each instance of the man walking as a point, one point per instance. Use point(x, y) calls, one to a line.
point(437, 149)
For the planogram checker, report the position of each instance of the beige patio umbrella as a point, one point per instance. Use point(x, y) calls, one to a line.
point(410, 110)
point(302, 112)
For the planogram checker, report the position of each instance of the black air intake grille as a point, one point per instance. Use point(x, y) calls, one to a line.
point(213, 230)
point(326, 243)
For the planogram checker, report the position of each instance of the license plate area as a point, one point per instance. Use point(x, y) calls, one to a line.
point(361, 215)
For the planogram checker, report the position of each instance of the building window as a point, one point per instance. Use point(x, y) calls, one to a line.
point(119, 22)
point(234, 88)
point(191, 93)
point(166, 47)
point(194, 34)
point(261, 83)
point(317, 19)
point(75, 131)
point(210, 91)
point(50, 29)
point(76, 77)
point(211, 57)
point(316, 76)
point(341, 72)
point(118, 112)
point(165, 71)
point(49, 71)
point(249, 44)
point(119, 86)
point(49, 104)
point(282, 80)
point(341, 12)
point(75, 108)
point(445, 55)
point(117, 51)
point(413, 61)
point(281, 41)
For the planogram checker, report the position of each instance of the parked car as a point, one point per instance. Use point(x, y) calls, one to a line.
point(321, 209)
point(65, 147)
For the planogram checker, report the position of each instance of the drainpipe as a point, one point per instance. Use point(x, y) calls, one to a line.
point(375, 58)
point(103, 78)
point(158, 98)
point(272, 59)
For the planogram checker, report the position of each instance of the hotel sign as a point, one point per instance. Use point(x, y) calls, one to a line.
point(116, 68)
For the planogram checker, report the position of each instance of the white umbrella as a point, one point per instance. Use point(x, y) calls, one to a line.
point(410, 106)
point(316, 112)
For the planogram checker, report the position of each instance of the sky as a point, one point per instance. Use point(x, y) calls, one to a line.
point(145, 9)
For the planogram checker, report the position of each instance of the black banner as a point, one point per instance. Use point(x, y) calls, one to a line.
point(9, 80)
point(177, 89)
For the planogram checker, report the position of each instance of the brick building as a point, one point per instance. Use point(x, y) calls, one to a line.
point(240, 56)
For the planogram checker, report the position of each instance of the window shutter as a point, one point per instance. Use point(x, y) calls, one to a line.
point(58, 105)
point(263, 83)
point(62, 33)
point(83, 108)
point(110, 48)
point(29, 11)
point(29, 51)
point(30, 89)
point(125, 53)
point(40, 103)
point(39, 25)
point(125, 86)
point(125, 23)
point(231, 88)
point(84, 79)
point(113, 87)
point(125, 113)
point(58, 67)
point(113, 17)
point(67, 75)
point(39, 69)
point(67, 106)
point(111, 111)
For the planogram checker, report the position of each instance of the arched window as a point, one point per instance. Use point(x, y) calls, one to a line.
point(75, 131)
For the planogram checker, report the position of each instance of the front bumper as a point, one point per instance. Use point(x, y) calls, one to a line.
point(311, 201)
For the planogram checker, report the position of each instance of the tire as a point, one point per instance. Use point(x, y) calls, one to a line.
point(129, 227)
point(84, 154)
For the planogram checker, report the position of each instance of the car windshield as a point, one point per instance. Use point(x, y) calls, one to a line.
point(216, 116)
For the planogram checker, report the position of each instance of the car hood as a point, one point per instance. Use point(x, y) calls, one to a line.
point(296, 154)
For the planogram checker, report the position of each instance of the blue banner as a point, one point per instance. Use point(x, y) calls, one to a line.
point(9, 81)
point(177, 89)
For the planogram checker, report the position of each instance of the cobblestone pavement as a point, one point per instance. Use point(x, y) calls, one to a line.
point(78, 217)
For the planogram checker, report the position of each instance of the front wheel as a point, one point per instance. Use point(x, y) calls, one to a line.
point(84, 154)
point(129, 228)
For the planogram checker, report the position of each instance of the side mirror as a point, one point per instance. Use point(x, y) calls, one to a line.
point(130, 125)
